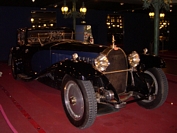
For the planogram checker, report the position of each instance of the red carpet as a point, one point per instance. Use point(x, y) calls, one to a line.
point(33, 107)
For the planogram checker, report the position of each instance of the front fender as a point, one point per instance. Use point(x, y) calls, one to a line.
point(150, 61)
point(77, 69)
point(85, 71)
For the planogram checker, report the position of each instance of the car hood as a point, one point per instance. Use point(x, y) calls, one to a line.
point(56, 52)
point(78, 46)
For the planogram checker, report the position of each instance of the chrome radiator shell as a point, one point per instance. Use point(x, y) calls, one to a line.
point(117, 71)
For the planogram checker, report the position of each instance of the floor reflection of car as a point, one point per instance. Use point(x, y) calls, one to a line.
point(88, 74)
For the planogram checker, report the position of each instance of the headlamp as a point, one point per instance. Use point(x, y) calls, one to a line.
point(101, 63)
point(134, 59)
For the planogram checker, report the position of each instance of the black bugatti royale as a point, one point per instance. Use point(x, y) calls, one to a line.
point(88, 74)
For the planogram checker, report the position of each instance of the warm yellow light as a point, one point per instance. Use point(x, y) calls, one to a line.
point(64, 9)
point(162, 15)
point(51, 25)
point(164, 23)
point(32, 19)
point(151, 14)
point(83, 10)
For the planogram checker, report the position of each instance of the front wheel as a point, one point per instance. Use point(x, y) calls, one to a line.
point(79, 101)
point(158, 87)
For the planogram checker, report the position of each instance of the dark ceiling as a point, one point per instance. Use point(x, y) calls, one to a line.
point(90, 4)
point(110, 5)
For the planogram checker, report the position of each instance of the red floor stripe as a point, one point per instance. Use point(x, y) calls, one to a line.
point(29, 118)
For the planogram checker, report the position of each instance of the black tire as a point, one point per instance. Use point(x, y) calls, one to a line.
point(158, 84)
point(14, 68)
point(79, 102)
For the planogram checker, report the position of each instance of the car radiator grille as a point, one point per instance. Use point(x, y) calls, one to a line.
point(118, 61)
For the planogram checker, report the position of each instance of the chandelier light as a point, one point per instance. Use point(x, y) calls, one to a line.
point(161, 15)
point(83, 9)
point(151, 14)
point(157, 5)
point(64, 8)
point(73, 12)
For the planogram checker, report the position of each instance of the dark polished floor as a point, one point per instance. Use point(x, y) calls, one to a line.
point(31, 107)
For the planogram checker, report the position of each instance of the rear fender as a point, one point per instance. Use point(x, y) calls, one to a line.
point(14, 53)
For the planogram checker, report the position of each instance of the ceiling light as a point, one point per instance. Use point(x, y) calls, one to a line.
point(55, 6)
point(32, 20)
point(121, 4)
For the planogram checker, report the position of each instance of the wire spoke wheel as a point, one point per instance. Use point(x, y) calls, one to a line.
point(74, 100)
point(79, 102)
point(158, 86)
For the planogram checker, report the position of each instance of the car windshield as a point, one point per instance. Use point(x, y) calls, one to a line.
point(45, 36)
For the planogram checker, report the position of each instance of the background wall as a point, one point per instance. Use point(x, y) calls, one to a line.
point(138, 29)
point(173, 32)
point(11, 18)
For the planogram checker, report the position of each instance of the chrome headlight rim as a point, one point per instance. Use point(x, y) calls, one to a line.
point(134, 59)
point(101, 63)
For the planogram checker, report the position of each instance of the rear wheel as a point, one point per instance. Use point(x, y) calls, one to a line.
point(79, 102)
point(14, 68)
point(158, 87)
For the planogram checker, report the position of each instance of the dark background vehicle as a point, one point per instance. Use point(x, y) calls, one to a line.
point(89, 76)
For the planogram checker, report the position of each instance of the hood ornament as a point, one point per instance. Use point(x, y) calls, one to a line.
point(113, 43)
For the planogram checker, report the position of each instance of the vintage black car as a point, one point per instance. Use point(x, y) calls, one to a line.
point(88, 74)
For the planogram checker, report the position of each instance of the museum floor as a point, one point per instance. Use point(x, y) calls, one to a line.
point(32, 107)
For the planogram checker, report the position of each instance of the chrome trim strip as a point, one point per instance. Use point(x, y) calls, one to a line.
point(117, 71)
